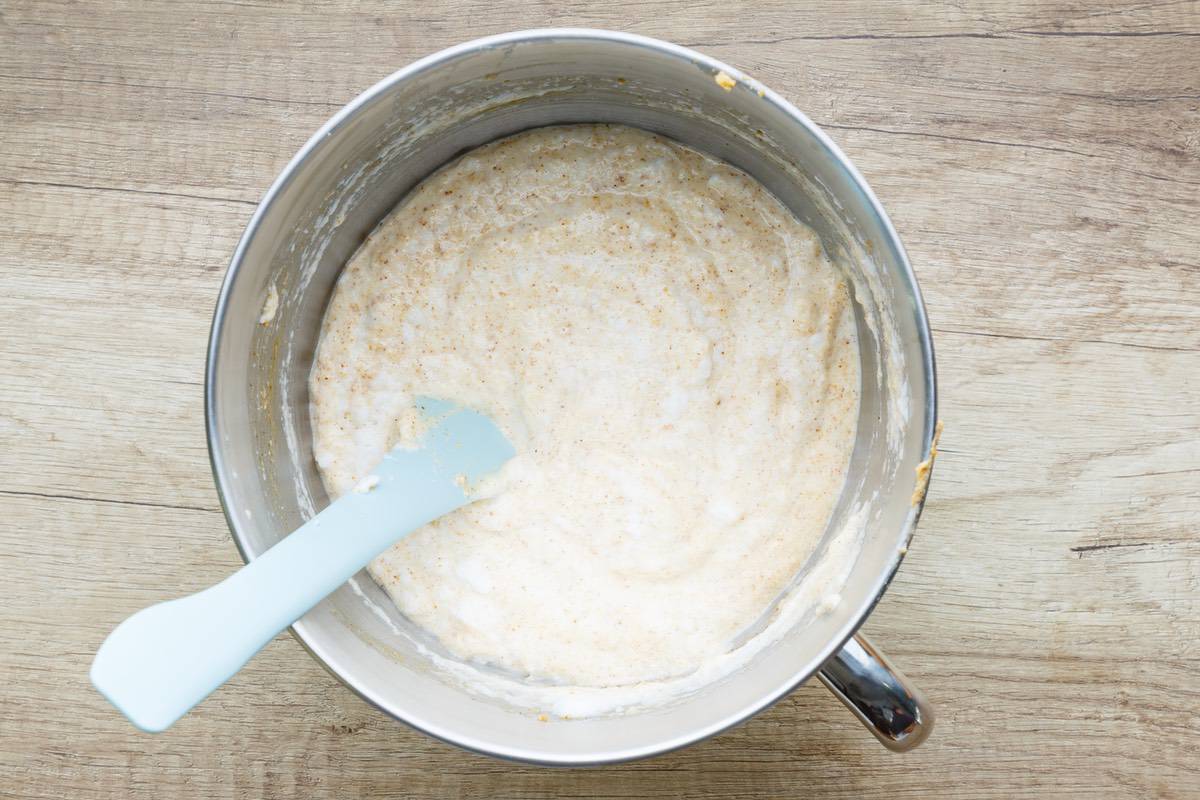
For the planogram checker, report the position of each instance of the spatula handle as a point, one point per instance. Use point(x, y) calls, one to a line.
point(167, 658)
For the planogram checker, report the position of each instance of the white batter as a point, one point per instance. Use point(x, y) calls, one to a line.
point(672, 356)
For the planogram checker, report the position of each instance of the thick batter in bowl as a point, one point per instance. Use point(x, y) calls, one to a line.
point(355, 171)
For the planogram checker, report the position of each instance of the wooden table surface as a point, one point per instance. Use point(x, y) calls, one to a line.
point(1042, 164)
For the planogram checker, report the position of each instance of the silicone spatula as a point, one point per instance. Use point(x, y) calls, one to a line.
point(165, 659)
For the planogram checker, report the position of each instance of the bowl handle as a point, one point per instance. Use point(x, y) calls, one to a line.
point(878, 694)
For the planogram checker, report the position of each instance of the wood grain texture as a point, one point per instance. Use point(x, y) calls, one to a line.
point(1042, 163)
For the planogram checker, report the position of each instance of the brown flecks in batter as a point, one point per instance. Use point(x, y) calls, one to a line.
point(672, 355)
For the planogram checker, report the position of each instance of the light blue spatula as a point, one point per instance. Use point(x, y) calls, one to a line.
point(165, 659)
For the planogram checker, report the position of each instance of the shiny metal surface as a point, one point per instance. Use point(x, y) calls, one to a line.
point(878, 694)
point(355, 169)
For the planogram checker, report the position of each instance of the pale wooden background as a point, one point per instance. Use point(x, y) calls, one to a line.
point(1042, 163)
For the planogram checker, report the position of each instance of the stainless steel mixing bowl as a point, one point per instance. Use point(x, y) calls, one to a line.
point(356, 168)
